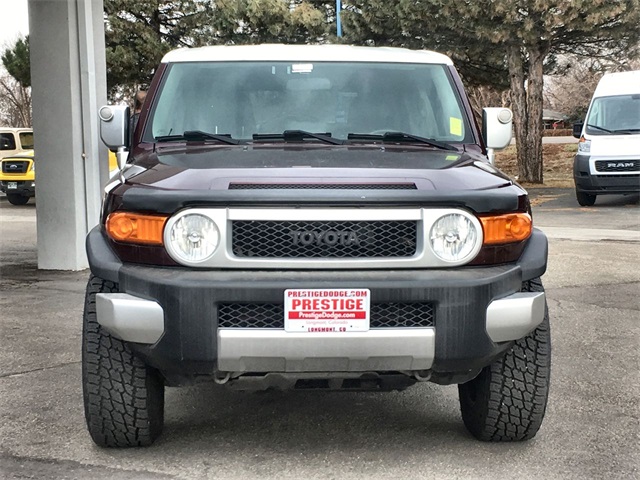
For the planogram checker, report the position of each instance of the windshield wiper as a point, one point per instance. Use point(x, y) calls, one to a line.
point(297, 136)
point(401, 137)
point(627, 131)
point(598, 128)
point(195, 135)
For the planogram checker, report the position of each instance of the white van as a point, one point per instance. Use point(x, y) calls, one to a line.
point(608, 159)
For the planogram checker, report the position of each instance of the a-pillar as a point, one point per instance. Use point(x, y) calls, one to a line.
point(68, 79)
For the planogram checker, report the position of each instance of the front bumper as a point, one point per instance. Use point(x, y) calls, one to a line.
point(26, 188)
point(590, 181)
point(478, 310)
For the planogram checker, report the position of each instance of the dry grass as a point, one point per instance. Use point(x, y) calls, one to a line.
point(557, 164)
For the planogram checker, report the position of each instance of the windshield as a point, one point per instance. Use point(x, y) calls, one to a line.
point(7, 141)
point(243, 99)
point(26, 140)
point(614, 115)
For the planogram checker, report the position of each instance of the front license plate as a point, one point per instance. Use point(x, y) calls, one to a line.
point(12, 185)
point(326, 310)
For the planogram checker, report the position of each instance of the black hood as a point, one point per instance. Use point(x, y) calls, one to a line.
point(177, 176)
point(218, 168)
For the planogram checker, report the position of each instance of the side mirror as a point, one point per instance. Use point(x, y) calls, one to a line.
point(114, 126)
point(577, 129)
point(497, 127)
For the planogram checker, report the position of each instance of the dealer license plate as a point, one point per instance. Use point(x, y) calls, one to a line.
point(326, 310)
point(12, 185)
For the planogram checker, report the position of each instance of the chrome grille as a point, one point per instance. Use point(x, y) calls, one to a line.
point(322, 186)
point(324, 239)
point(271, 315)
point(617, 165)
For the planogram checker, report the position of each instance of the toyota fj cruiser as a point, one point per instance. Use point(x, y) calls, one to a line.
point(312, 217)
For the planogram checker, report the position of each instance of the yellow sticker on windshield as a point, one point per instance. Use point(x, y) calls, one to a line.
point(452, 158)
point(455, 126)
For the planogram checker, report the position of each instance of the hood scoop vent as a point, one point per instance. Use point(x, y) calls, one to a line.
point(322, 186)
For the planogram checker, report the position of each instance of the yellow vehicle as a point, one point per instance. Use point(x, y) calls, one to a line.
point(18, 177)
point(113, 162)
point(17, 169)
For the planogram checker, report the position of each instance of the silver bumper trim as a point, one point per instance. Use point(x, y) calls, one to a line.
point(130, 318)
point(262, 350)
point(513, 317)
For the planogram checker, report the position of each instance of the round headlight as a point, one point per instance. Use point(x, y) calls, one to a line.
point(453, 237)
point(194, 238)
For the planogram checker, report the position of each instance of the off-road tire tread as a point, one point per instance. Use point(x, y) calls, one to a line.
point(123, 398)
point(511, 393)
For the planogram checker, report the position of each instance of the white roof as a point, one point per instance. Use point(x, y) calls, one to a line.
point(304, 53)
point(15, 129)
point(619, 83)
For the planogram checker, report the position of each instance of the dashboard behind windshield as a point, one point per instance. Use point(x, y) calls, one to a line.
point(246, 98)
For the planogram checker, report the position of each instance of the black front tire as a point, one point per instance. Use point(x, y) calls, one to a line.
point(123, 398)
point(16, 199)
point(585, 199)
point(507, 400)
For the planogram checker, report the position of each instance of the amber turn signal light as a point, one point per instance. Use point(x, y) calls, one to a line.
point(134, 228)
point(509, 228)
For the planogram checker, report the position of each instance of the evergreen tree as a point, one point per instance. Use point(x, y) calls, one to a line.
point(139, 33)
point(15, 87)
point(521, 36)
point(16, 60)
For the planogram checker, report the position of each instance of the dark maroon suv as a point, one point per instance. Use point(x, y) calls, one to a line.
point(312, 217)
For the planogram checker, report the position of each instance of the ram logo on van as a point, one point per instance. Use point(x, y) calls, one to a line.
point(620, 164)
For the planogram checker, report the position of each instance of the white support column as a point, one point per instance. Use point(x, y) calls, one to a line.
point(68, 76)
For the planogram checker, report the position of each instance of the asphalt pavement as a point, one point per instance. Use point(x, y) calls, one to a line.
point(591, 430)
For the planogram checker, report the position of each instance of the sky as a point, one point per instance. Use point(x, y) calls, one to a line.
point(14, 21)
